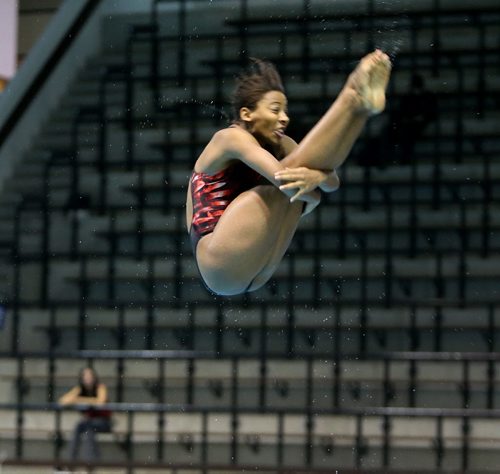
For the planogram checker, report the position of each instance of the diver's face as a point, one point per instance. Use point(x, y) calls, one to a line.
point(268, 121)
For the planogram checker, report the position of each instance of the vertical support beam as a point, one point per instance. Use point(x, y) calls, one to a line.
point(389, 251)
point(465, 443)
point(360, 447)
point(337, 359)
point(465, 419)
point(45, 242)
point(438, 328)
point(386, 448)
point(51, 386)
point(280, 440)
point(82, 303)
point(243, 53)
point(204, 441)
point(130, 440)
point(481, 73)
point(464, 244)
point(190, 382)
point(113, 251)
point(363, 297)
point(219, 328)
point(306, 47)
point(155, 55)
point(181, 48)
point(290, 329)
point(129, 104)
point(491, 371)
point(436, 38)
point(412, 385)
point(263, 357)
point(439, 443)
point(20, 392)
point(413, 230)
point(58, 437)
point(309, 413)
point(160, 442)
point(150, 305)
point(460, 114)
point(486, 212)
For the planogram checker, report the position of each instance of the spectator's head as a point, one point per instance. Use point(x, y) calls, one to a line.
point(88, 381)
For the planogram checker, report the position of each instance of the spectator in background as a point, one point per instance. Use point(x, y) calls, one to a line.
point(89, 391)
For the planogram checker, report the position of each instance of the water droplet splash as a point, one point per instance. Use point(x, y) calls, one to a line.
point(208, 106)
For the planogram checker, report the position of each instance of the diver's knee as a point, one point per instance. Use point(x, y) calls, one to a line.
point(216, 275)
point(223, 286)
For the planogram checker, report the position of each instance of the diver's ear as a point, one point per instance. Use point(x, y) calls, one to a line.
point(245, 114)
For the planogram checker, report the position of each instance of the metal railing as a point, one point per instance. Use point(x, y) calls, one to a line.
point(360, 443)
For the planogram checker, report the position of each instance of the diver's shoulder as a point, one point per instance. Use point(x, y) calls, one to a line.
point(231, 132)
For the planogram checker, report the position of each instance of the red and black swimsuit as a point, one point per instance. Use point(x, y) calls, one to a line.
point(211, 194)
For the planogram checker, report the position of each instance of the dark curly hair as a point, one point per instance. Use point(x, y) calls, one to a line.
point(258, 78)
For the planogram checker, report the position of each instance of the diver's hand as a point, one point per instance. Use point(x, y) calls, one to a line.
point(303, 179)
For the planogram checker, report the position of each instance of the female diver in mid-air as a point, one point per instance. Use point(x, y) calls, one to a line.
point(240, 216)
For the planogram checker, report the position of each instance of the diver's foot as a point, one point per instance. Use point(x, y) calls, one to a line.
point(369, 81)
